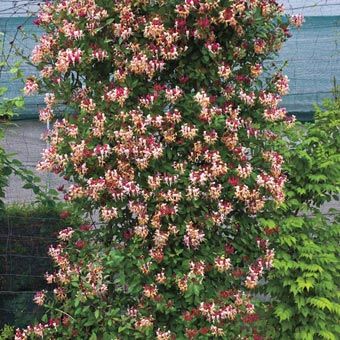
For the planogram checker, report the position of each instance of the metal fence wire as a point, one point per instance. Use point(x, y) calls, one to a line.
point(24, 242)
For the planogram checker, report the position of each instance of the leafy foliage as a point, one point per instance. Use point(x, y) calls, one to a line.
point(304, 284)
point(7, 110)
point(7, 333)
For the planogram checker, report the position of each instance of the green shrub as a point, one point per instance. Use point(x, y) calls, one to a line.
point(304, 284)
point(7, 333)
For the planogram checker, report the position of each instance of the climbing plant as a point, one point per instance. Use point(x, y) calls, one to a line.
point(168, 133)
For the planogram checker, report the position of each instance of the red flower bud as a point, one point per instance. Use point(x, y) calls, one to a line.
point(128, 234)
point(234, 181)
point(183, 79)
point(80, 244)
point(250, 318)
point(204, 330)
point(238, 272)
point(228, 248)
point(271, 231)
point(203, 23)
point(64, 215)
point(85, 227)
point(65, 320)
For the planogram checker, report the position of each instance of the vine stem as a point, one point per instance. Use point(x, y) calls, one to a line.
point(61, 311)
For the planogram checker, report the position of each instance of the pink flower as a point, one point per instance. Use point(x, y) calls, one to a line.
point(197, 268)
point(70, 30)
point(227, 16)
point(150, 291)
point(99, 54)
point(282, 84)
point(193, 237)
point(213, 48)
point(66, 234)
point(31, 86)
point(259, 46)
point(222, 264)
point(74, 55)
point(46, 114)
point(108, 214)
point(163, 334)
point(50, 278)
point(173, 94)
point(224, 71)
point(39, 297)
point(297, 20)
point(117, 94)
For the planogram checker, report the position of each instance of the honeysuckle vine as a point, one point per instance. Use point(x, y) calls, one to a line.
point(171, 139)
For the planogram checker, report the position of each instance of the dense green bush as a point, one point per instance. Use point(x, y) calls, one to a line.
point(304, 285)
point(7, 333)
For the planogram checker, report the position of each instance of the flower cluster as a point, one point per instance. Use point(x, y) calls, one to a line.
point(297, 20)
point(31, 86)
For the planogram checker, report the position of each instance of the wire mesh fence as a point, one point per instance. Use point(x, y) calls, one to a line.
point(24, 240)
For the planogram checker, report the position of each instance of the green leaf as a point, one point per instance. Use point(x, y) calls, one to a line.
point(93, 336)
point(327, 335)
point(27, 186)
point(122, 328)
point(304, 335)
point(288, 239)
point(89, 323)
point(305, 283)
point(19, 103)
point(294, 222)
point(6, 171)
point(321, 303)
point(3, 90)
point(109, 21)
point(283, 312)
